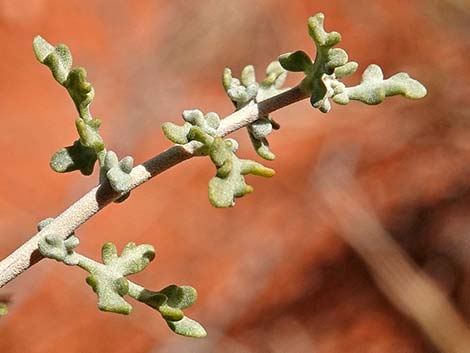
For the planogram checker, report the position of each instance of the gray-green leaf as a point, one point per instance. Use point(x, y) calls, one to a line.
point(58, 59)
point(373, 88)
point(187, 327)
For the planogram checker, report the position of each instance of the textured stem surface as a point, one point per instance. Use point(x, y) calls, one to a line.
point(97, 198)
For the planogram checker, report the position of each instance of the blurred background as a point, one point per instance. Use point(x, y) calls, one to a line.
point(352, 246)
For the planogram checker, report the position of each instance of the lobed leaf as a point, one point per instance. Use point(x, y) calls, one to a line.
point(247, 91)
point(81, 91)
point(75, 157)
point(134, 258)
point(118, 172)
point(373, 89)
point(187, 327)
point(58, 59)
point(110, 291)
point(229, 182)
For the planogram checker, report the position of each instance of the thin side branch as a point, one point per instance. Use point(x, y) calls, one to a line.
point(102, 195)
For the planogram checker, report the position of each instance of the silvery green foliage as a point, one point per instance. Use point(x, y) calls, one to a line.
point(58, 249)
point(108, 280)
point(90, 147)
point(118, 173)
point(373, 88)
point(248, 91)
point(83, 154)
point(196, 124)
point(322, 76)
point(229, 181)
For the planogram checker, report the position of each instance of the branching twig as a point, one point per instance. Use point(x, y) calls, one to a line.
point(102, 195)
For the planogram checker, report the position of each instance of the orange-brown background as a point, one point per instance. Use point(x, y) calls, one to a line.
point(272, 274)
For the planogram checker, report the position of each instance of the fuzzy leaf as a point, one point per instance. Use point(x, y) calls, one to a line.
point(241, 93)
point(318, 33)
point(328, 61)
point(107, 279)
point(248, 76)
point(187, 327)
point(261, 147)
point(373, 88)
point(133, 258)
point(197, 127)
point(331, 64)
point(298, 61)
point(247, 91)
point(109, 283)
point(75, 157)
point(89, 136)
point(180, 297)
point(118, 172)
point(229, 182)
point(346, 70)
point(80, 90)
point(54, 247)
point(275, 78)
point(170, 301)
point(175, 133)
point(58, 59)
point(110, 291)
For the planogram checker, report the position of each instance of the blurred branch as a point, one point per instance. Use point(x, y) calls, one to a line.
point(102, 195)
point(403, 283)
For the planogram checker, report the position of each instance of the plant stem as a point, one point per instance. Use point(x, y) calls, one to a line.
point(102, 195)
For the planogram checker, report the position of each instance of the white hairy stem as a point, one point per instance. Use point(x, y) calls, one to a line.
point(102, 195)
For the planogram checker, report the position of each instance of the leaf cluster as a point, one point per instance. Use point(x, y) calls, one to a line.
point(84, 152)
point(246, 91)
point(321, 82)
point(229, 181)
point(323, 75)
point(108, 280)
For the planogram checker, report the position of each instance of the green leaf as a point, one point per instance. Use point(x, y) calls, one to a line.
point(298, 61)
point(197, 127)
point(110, 291)
point(75, 157)
point(58, 59)
point(275, 78)
point(118, 172)
point(109, 283)
point(229, 181)
point(247, 91)
point(175, 133)
point(80, 90)
point(108, 279)
point(89, 135)
point(331, 64)
point(248, 76)
point(319, 35)
point(346, 70)
point(180, 297)
point(54, 247)
point(373, 88)
point(133, 258)
point(187, 327)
